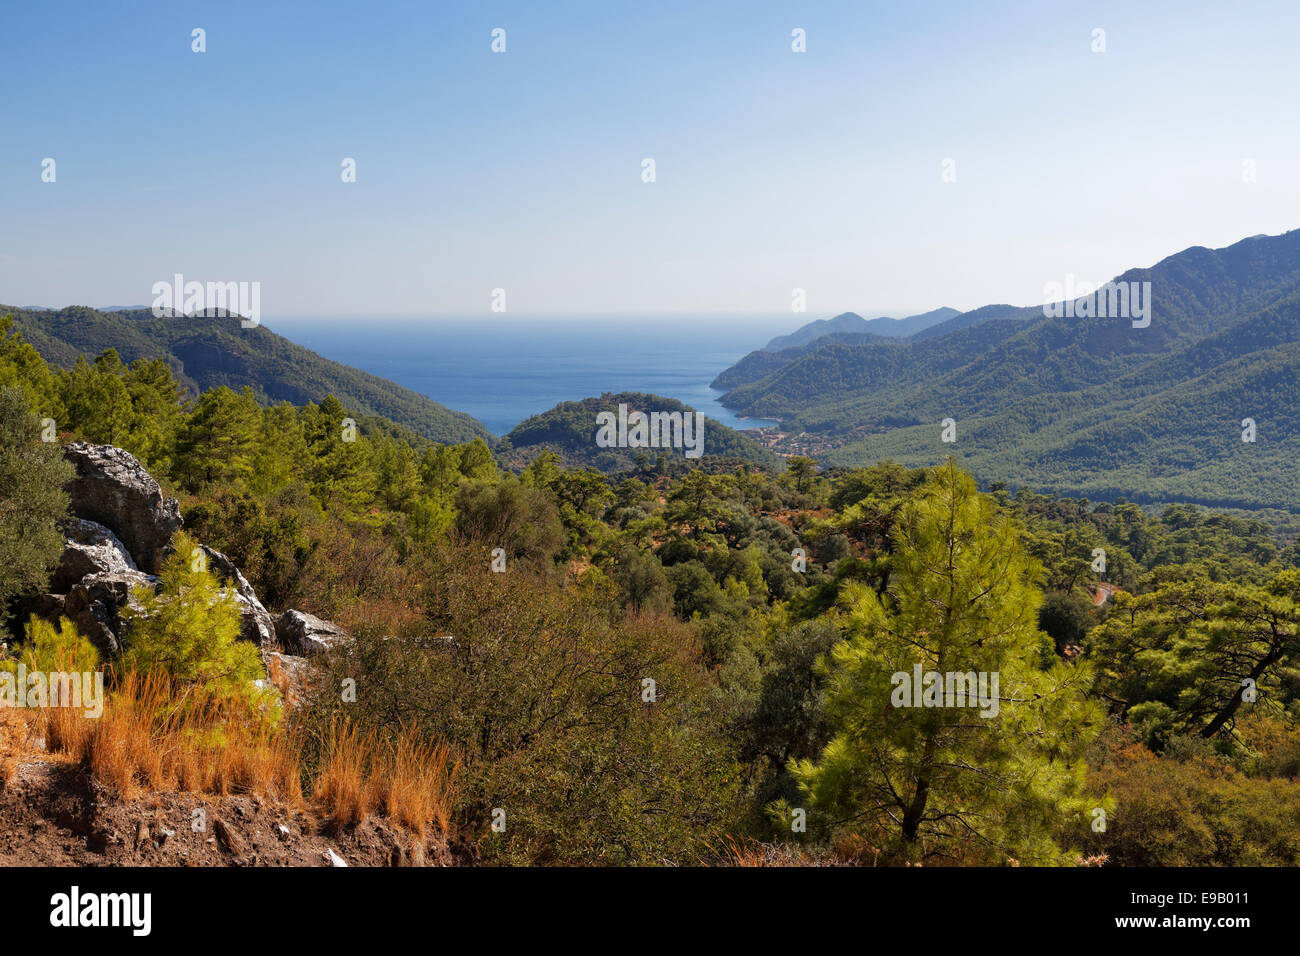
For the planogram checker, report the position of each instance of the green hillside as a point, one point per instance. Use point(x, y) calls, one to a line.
point(1081, 405)
point(570, 429)
point(205, 352)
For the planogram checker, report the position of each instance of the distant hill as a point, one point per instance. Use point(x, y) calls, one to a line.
point(852, 322)
point(1083, 405)
point(570, 430)
point(209, 351)
point(985, 313)
point(757, 365)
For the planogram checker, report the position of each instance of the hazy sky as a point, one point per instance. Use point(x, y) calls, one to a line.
point(523, 170)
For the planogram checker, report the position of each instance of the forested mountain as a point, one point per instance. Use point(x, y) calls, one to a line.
point(883, 326)
point(985, 313)
point(775, 612)
point(501, 626)
point(205, 352)
point(569, 429)
point(1089, 405)
point(758, 364)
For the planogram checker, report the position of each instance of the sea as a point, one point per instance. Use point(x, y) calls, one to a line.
point(503, 369)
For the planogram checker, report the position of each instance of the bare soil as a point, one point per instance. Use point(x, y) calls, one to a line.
point(54, 814)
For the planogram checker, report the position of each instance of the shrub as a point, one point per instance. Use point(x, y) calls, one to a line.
point(1198, 812)
point(189, 631)
point(48, 648)
point(539, 688)
point(32, 476)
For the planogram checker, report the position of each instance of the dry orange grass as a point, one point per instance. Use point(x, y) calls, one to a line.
point(15, 741)
point(412, 780)
point(748, 852)
point(275, 672)
point(392, 615)
point(34, 736)
point(343, 786)
point(281, 680)
point(151, 738)
point(154, 736)
point(419, 783)
point(743, 852)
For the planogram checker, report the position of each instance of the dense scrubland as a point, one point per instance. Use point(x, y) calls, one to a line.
point(675, 666)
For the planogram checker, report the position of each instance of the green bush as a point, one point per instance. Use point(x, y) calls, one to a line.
point(189, 631)
point(52, 649)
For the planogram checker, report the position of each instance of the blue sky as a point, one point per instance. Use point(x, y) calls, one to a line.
point(522, 170)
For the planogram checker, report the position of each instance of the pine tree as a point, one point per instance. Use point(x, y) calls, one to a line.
point(47, 647)
point(1190, 655)
point(476, 461)
point(156, 413)
point(216, 443)
point(339, 472)
point(96, 400)
point(281, 455)
point(440, 471)
point(22, 367)
point(801, 471)
point(694, 503)
point(956, 782)
point(189, 629)
point(397, 473)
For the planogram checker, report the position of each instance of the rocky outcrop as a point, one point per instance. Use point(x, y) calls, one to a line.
point(48, 607)
point(94, 581)
point(255, 621)
point(113, 489)
point(90, 549)
point(120, 530)
point(293, 676)
point(307, 635)
point(95, 604)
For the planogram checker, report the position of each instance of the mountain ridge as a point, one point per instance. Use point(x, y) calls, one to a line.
point(883, 326)
point(1061, 403)
point(210, 350)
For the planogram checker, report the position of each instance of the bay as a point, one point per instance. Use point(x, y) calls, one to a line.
point(503, 369)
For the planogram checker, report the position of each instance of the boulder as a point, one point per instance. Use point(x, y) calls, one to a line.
point(305, 634)
point(294, 677)
point(113, 489)
point(94, 604)
point(48, 607)
point(255, 621)
point(122, 530)
point(90, 549)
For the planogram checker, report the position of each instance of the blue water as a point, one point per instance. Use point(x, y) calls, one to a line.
point(503, 369)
